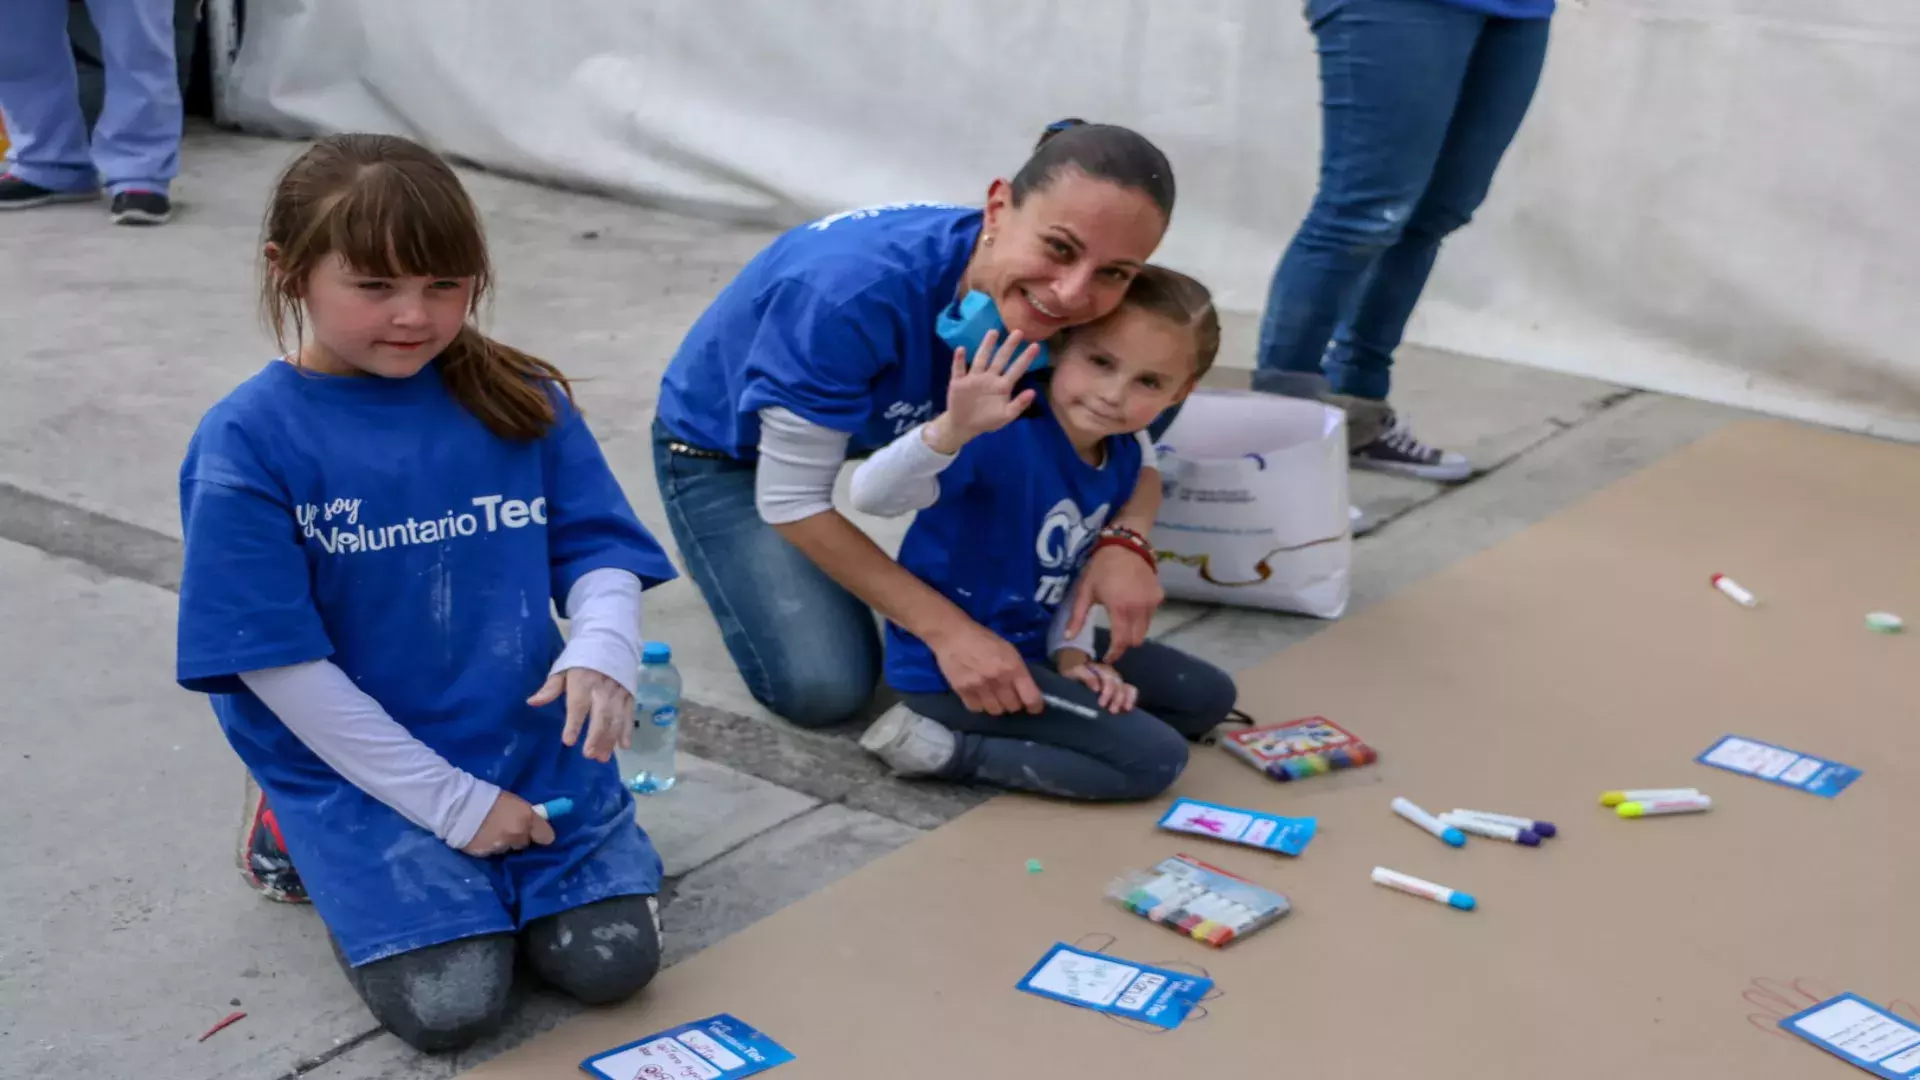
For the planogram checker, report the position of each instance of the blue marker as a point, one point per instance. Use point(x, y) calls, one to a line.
point(554, 808)
point(1447, 833)
point(1407, 883)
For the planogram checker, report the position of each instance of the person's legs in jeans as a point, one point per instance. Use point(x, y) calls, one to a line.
point(40, 96)
point(1187, 693)
point(1494, 96)
point(808, 649)
point(1390, 73)
point(136, 145)
point(1131, 755)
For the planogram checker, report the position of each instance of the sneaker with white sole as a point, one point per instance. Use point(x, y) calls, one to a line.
point(140, 208)
point(1396, 451)
point(909, 743)
point(264, 861)
point(18, 194)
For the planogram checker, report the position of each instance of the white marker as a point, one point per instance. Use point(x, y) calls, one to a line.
point(1492, 830)
point(1542, 829)
point(1071, 706)
point(1689, 804)
point(1615, 798)
point(1407, 883)
point(1732, 588)
point(1447, 833)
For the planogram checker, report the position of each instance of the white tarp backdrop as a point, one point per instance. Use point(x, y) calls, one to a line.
point(1710, 197)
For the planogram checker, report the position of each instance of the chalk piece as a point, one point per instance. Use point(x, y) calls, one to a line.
point(1033, 866)
point(1885, 622)
point(1734, 591)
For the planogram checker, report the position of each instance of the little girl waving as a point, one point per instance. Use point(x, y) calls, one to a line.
point(1014, 490)
point(376, 525)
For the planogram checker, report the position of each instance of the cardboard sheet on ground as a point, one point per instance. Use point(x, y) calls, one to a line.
point(1586, 654)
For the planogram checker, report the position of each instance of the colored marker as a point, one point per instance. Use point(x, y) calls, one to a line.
point(1073, 707)
point(1732, 588)
point(1687, 804)
point(554, 808)
point(1405, 808)
point(1542, 829)
point(1643, 795)
point(1407, 883)
point(1492, 830)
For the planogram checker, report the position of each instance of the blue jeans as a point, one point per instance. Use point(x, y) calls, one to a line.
point(808, 649)
point(1419, 101)
point(136, 145)
point(1130, 755)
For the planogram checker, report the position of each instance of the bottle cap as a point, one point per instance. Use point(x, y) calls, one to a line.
point(656, 652)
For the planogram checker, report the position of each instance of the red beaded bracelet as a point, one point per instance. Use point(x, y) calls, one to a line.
point(1130, 540)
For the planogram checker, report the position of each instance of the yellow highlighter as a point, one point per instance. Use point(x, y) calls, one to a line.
point(1684, 804)
point(1615, 798)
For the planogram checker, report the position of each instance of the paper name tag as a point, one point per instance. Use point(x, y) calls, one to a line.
point(717, 1048)
point(1863, 1033)
point(1788, 768)
point(1105, 984)
point(1289, 836)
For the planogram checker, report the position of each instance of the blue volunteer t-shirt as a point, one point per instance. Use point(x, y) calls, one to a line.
point(377, 523)
point(1017, 517)
point(834, 321)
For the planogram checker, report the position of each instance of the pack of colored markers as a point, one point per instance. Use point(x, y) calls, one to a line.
point(1299, 749)
point(1203, 902)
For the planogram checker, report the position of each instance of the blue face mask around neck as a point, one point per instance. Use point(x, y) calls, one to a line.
point(967, 321)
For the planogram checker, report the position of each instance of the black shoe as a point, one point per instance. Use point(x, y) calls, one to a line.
point(264, 861)
point(141, 208)
point(17, 194)
point(1397, 451)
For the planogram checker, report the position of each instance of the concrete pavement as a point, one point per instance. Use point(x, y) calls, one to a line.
point(128, 932)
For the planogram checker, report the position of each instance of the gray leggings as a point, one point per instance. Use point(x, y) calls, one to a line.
point(1132, 755)
point(446, 996)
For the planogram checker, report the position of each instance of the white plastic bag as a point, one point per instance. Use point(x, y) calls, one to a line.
point(1255, 510)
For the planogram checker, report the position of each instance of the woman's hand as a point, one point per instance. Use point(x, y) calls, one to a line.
point(593, 699)
point(1116, 694)
point(510, 825)
point(1119, 580)
point(980, 395)
point(986, 671)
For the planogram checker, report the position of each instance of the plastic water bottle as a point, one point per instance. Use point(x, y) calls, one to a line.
point(647, 765)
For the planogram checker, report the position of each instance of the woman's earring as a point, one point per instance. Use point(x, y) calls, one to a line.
point(989, 240)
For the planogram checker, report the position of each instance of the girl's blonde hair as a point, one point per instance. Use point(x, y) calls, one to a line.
point(392, 208)
point(1173, 295)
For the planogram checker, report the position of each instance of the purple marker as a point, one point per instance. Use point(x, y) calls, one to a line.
point(1538, 828)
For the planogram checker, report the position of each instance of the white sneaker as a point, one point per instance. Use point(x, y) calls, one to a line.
point(909, 743)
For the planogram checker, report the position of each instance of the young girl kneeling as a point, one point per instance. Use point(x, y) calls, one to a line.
point(1014, 491)
point(375, 526)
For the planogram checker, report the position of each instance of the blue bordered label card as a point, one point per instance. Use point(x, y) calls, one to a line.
point(717, 1048)
point(1120, 987)
point(1863, 1034)
point(1788, 768)
point(1288, 836)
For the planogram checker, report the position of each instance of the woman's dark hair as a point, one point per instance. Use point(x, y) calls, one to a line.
point(1104, 151)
